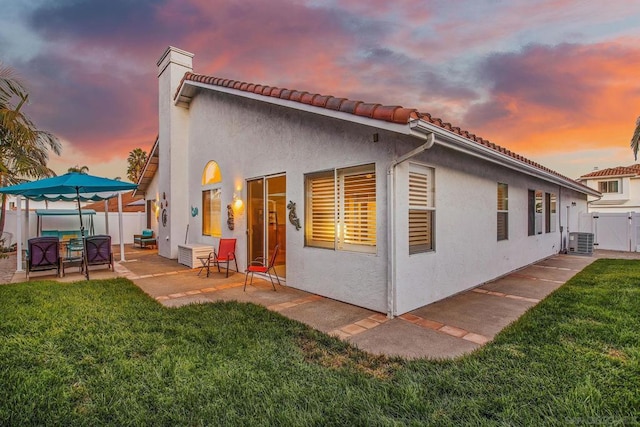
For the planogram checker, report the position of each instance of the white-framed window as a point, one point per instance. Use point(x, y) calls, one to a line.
point(340, 209)
point(421, 209)
point(536, 212)
point(550, 212)
point(539, 214)
point(503, 211)
point(211, 200)
point(608, 186)
point(211, 207)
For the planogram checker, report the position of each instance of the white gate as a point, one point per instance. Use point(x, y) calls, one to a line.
point(613, 231)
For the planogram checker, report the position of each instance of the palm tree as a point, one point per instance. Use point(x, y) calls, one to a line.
point(83, 170)
point(24, 149)
point(635, 139)
point(137, 159)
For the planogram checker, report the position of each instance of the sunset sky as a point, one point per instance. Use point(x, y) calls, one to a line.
point(557, 81)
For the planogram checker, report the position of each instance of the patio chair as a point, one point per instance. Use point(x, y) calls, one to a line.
point(98, 250)
point(43, 253)
point(226, 253)
point(258, 266)
point(144, 239)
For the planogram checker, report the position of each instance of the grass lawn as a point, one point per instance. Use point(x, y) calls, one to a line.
point(103, 352)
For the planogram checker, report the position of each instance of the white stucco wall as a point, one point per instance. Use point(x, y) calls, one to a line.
point(172, 143)
point(250, 140)
point(467, 252)
point(153, 193)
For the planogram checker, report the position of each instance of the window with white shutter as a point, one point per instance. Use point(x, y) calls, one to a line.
point(503, 211)
point(211, 208)
point(321, 210)
point(211, 200)
point(421, 209)
point(340, 209)
point(553, 212)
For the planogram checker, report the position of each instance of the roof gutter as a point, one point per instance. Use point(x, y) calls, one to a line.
point(430, 139)
point(461, 144)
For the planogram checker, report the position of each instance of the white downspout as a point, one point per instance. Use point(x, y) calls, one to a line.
point(430, 139)
point(19, 235)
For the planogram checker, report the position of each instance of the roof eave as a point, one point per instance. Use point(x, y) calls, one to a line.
point(147, 174)
point(626, 175)
point(189, 89)
point(456, 142)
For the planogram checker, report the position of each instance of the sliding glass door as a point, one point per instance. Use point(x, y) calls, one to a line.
point(266, 219)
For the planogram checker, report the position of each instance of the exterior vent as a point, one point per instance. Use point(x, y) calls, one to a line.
point(581, 243)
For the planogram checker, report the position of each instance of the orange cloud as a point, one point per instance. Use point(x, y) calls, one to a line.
point(96, 80)
point(562, 98)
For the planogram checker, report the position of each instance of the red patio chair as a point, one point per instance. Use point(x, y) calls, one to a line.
point(226, 253)
point(258, 266)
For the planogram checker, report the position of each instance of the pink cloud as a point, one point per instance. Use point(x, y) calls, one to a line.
point(96, 86)
point(561, 98)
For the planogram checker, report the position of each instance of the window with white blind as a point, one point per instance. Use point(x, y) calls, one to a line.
point(503, 211)
point(211, 200)
point(553, 212)
point(340, 209)
point(539, 212)
point(211, 218)
point(421, 209)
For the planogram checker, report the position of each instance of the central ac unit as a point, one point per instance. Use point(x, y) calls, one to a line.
point(581, 243)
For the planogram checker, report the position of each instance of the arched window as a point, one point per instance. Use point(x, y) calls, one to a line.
point(211, 200)
point(211, 174)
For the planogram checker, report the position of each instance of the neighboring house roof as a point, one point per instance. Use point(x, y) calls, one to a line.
point(149, 169)
point(112, 203)
point(617, 171)
point(390, 114)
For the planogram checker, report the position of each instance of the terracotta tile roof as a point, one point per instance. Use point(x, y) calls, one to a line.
point(617, 171)
point(393, 114)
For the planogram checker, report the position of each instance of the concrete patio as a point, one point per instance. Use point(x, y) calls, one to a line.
point(445, 329)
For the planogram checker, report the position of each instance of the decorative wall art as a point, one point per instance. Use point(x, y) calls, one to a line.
point(230, 217)
point(293, 216)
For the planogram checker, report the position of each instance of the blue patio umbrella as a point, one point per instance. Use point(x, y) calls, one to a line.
point(71, 186)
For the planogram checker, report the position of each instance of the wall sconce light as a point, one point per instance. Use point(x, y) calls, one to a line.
point(237, 202)
point(573, 203)
point(375, 137)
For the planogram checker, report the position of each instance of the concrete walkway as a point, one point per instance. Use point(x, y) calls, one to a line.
point(445, 329)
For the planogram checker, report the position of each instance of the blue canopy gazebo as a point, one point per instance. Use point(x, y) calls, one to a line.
point(71, 186)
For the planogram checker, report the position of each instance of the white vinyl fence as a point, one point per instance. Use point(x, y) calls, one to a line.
point(613, 231)
point(132, 223)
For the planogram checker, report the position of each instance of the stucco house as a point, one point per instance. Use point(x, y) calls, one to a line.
point(395, 208)
point(620, 188)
